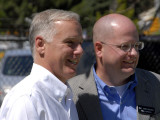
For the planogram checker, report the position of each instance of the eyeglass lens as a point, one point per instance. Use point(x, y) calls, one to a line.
point(137, 46)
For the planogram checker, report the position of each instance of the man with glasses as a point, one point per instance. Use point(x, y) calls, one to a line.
point(114, 89)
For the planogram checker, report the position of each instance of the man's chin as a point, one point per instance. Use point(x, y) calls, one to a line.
point(71, 73)
point(129, 70)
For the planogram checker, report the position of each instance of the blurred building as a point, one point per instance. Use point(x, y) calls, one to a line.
point(149, 22)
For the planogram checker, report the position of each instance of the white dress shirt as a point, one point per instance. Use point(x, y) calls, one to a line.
point(40, 96)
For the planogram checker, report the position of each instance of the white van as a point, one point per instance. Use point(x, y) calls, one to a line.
point(15, 65)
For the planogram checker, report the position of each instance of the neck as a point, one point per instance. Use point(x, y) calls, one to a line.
point(111, 79)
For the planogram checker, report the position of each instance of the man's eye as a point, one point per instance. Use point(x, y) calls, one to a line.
point(138, 46)
point(125, 47)
point(81, 42)
point(70, 43)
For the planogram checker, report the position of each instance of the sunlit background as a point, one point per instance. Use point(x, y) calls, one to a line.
point(16, 15)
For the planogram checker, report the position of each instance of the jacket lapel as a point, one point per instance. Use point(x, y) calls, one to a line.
point(89, 98)
point(144, 96)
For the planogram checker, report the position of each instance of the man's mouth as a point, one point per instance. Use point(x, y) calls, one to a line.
point(73, 61)
point(129, 62)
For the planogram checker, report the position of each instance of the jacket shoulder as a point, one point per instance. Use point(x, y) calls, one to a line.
point(147, 74)
point(76, 81)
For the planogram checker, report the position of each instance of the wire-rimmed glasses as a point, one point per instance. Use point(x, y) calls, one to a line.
point(128, 46)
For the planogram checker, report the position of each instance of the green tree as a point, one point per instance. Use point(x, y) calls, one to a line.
point(13, 13)
point(90, 11)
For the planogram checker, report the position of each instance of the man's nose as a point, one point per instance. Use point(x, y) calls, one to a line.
point(133, 51)
point(78, 50)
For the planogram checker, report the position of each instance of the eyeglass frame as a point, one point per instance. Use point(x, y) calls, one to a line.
point(132, 45)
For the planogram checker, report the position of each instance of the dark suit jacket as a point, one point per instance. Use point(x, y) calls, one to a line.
point(87, 101)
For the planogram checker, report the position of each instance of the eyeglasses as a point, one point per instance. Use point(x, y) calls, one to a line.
point(128, 46)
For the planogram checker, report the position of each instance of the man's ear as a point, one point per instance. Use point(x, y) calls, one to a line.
point(40, 45)
point(98, 48)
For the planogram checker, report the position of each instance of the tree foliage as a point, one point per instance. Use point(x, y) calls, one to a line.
point(90, 11)
point(13, 13)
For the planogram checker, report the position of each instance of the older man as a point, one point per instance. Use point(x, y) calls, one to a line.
point(55, 37)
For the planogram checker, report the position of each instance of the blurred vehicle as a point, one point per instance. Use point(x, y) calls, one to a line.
point(15, 65)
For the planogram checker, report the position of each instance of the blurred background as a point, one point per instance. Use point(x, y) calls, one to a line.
point(16, 15)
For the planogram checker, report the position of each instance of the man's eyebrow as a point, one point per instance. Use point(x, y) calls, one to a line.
point(73, 38)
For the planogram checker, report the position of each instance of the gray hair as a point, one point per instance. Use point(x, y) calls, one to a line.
point(43, 24)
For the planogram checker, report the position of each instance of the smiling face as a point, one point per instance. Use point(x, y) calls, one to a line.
point(116, 61)
point(63, 53)
point(114, 65)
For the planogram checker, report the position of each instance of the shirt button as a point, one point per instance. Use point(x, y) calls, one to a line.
point(106, 93)
point(60, 99)
point(112, 90)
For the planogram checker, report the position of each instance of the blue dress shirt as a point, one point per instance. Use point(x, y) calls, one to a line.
point(112, 105)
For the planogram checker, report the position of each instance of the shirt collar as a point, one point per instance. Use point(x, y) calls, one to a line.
point(50, 83)
point(102, 85)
